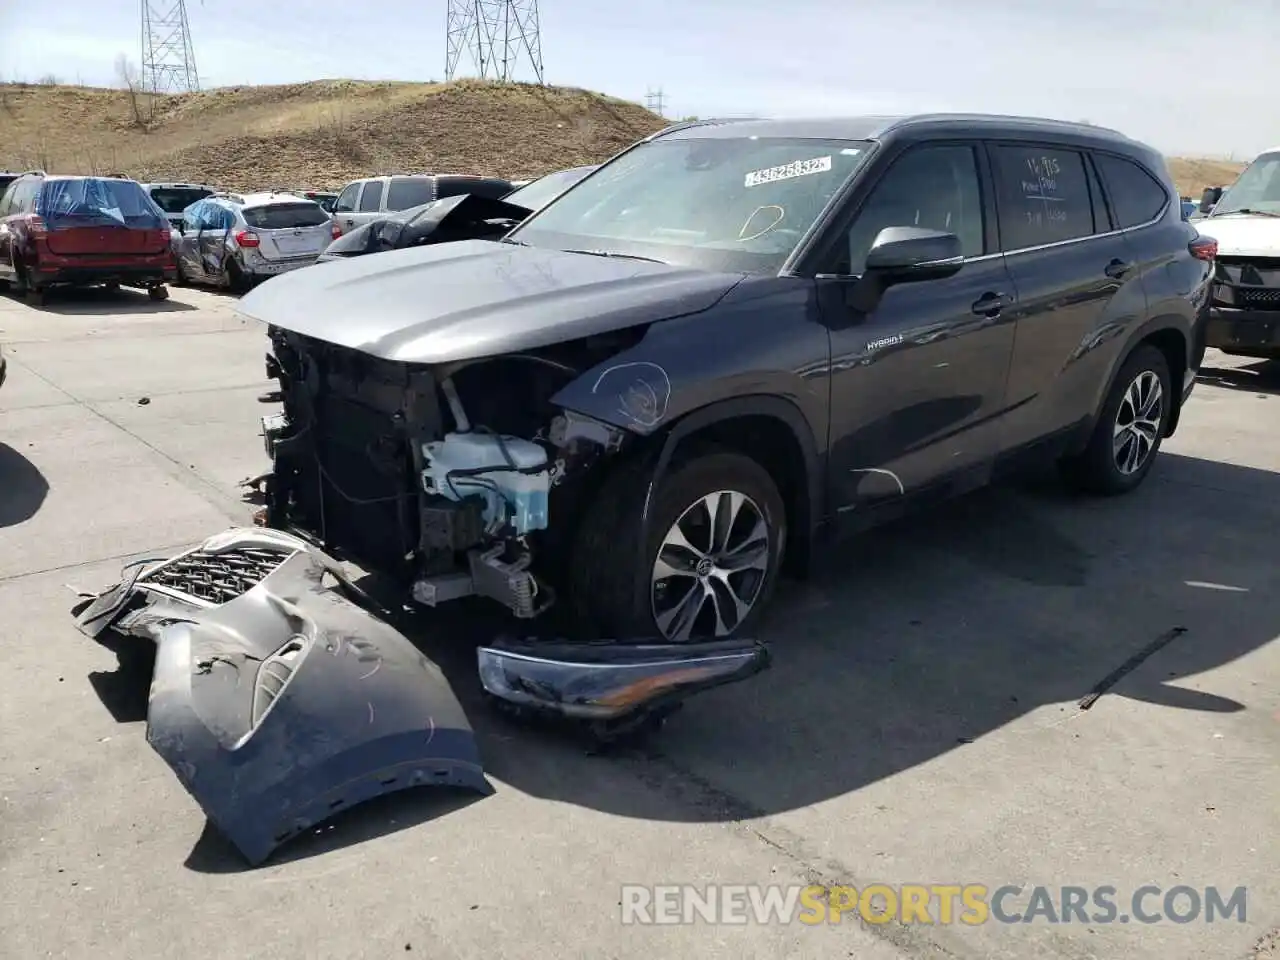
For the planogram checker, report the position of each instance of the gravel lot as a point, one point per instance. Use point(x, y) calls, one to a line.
point(919, 725)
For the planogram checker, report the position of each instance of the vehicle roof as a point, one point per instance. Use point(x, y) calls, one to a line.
point(178, 185)
point(264, 199)
point(886, 127)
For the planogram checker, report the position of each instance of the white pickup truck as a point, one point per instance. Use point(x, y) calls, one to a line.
point(1244, 318)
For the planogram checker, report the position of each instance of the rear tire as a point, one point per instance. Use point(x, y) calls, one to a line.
point(158, 293)
point(1130, 427)
point(616, 595)
point(233, 278)
point(112, 286)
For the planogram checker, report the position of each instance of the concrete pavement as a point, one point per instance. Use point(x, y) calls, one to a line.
point(920, 724)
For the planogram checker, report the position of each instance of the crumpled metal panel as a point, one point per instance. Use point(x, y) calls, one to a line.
point(287, 703)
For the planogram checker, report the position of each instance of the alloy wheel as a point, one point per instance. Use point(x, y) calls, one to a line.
point(710, 567)
point(1137, 426)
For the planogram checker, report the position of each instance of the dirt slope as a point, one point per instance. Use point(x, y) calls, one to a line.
point(324, 133)
point(318, 134)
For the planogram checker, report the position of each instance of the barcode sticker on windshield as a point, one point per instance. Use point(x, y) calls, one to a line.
point(797, 168)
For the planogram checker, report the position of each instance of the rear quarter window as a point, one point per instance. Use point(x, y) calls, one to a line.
point(285, 216)
point(1042, 194)
point(1136, 196)
point(406, 192)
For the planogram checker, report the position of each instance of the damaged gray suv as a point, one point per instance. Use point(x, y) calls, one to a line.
point(626, 418)
point(726, 342)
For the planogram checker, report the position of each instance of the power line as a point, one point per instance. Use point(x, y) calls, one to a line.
point(168, 57)
point(498, 36)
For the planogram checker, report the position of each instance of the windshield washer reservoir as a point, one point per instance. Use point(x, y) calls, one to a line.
point(510, 474)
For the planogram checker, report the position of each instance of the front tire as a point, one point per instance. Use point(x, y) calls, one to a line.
point(1130, 428)
point(158, 293)
point(716, 538)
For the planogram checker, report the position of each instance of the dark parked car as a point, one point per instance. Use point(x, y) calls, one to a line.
point(57, 230)
point(466, 216)
point(733, 342)
point(8, 176)
point(322, 197)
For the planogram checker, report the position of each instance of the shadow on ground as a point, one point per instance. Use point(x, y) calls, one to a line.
point(922, 638)
point(22, 487)
point(1258, 376)
point(90, 301)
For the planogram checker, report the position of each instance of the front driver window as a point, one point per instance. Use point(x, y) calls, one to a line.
point(933, 187)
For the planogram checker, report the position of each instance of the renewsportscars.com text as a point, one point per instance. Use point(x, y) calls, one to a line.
point(917, 903)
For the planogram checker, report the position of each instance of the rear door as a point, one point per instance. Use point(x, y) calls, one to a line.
point(289, 230)
point(406, 192)
point(1076, 280)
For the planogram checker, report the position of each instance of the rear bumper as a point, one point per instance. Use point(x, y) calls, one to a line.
point(141, 271)
point(260, 268)
point(1232, 329)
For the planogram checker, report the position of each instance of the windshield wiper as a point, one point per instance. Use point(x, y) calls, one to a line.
point(1249, 211)
point(620, 256)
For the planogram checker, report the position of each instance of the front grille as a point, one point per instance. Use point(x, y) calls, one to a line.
point(219, 577)
point(1264, 298)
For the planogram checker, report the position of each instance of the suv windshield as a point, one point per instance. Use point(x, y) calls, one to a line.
point(536, 195)
point(177, 199)
point(97, 201)
point(736, 204)
point(1257, 189)
point(285, 216)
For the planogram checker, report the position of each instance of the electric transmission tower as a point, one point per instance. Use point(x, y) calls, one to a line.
point(498, 35)
point(656, 101)
point(168, 58)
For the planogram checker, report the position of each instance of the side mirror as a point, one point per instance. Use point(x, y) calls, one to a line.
point(911, 254)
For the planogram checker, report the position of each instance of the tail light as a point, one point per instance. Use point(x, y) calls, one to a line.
point(246, 239)
point(1204, 248)
point(36, 226)
point(336, 230)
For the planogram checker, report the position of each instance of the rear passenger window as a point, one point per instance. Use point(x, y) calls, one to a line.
point(346, 201)
point(1136, 196)
point(409, 192)
point(371, 198)
point(1043, 196)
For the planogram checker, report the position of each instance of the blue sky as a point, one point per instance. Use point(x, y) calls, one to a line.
point(1187, 77)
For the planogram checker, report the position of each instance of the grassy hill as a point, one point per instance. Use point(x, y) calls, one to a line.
point(324, 133)
point(318, 134)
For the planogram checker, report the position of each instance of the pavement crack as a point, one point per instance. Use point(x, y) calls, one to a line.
point(92, 561)
point(690, 789)
point(1126, 668)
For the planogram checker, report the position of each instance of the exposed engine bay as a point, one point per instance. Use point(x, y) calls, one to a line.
point(455, 480)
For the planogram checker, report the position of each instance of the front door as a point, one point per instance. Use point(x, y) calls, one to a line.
point(215, 225)
point(918, 383)
point(1077, 281)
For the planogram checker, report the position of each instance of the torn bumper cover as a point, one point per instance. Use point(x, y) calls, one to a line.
point(278, 700)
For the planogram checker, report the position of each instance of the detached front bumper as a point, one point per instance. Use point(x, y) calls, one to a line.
point(278, 700)
point(1244, 330)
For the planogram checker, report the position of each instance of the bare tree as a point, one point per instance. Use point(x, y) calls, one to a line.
point(131, 79)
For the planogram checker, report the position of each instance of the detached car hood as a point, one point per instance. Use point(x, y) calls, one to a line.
point(1243, 235)
point(476, 298)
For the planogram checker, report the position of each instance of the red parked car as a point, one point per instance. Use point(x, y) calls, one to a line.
point(78, 231)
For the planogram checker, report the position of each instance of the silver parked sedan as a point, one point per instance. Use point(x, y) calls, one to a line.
point(237, 240)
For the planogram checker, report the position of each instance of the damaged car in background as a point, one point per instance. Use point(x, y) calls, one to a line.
point(467, 216)
point(622, 421)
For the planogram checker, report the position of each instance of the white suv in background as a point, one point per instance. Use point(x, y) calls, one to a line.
point(235, 240)
point(372, 197)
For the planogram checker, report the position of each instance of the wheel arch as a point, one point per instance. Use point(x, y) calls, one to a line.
point(1170, 336)
point(772, 431)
